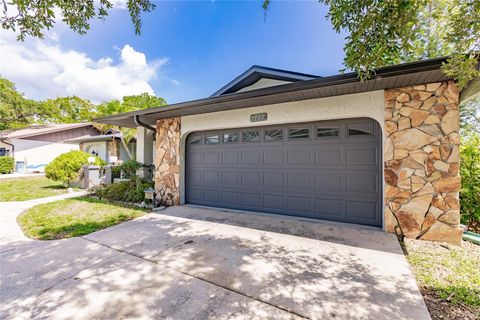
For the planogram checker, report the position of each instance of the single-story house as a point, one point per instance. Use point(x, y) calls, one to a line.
point(107, 146)
point(37, 145)
point(383, 152)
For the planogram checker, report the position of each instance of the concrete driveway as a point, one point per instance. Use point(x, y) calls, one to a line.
point(192, 263)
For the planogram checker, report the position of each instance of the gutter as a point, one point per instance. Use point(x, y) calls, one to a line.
point(11, 145)
point(136, 118)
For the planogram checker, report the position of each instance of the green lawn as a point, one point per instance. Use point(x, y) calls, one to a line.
point(449, 277)
point(73, 217)
point(19, 189)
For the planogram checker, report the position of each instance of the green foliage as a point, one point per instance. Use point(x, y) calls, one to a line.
point(73, 217)
point(381, 33)
point(66, 167)
point(470, 173)
point(7, 164)
point(15, 110)
point(33, 18)
point(126, 191)
point(128, 168)
point(66, 110)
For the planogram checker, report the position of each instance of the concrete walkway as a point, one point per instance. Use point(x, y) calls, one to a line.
point(194, 263)
point(9, 211)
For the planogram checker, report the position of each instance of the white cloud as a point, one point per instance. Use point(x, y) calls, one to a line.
point(43, 69)
point(175, 82)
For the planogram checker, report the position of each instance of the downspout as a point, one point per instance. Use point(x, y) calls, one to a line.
point(136, 118)
point(13, 147)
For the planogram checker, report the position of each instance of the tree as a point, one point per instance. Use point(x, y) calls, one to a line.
point(15, 110)
point(33, 18)
point(470, 172)
point(129, 103)
point(66, 110)
point(382, 33)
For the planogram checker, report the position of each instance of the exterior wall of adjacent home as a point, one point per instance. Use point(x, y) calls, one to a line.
point(34, 152)
point(99, 147)
point(7, 147)
point(430, 140)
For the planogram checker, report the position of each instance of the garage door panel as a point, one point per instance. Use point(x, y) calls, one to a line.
point(274, 202)
point(212, 157)
point(251, 157)
point(367, 155)
point(252, 200)
point(329, 176)
point(273, 180)
point(299, 181)
point(365, 183)
point(299, 157)
point(328, 182)
point(328, 157)
point(274, 157)
point(328, 207)
point(230, 158)
point(252, 178)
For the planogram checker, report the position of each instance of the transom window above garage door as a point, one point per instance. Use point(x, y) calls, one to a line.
point(328, 131)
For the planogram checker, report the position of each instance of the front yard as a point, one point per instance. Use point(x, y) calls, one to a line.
point(20, 189)
point(73, 217)
point(448, 276)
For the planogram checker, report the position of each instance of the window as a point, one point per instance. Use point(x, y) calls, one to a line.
point(250, 136)
point(299, 133)
point(195, 139)
point(273, 134)
point(231, 137)
point(360, 129)
point(3, 152)
point(327, 132)
point(211, 138)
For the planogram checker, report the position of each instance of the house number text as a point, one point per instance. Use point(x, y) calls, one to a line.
point(256, 117)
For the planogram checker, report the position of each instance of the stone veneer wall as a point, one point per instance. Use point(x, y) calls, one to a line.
point(421, 154)
point(167, 161)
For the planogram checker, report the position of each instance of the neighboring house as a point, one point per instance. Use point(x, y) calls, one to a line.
point(35, 146)
point(107, 146)
point(382, 153)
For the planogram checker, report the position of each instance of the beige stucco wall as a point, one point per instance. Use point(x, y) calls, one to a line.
point(35, 152)
point(369, 104)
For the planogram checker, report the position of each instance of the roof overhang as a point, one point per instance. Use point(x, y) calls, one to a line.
point(401, 75)
point(41, 130)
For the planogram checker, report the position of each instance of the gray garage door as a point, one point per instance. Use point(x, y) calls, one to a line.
point(322, 170)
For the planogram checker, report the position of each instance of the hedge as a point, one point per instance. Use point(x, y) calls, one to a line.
point(7, 164)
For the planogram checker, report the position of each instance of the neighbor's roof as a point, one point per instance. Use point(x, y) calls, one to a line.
point(255, 73)
point(406, 74)
point(88, 138)
point(38, 129)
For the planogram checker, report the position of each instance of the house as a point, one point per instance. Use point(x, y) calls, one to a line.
point(107, 146)
point(382, 153)
point(35, 146)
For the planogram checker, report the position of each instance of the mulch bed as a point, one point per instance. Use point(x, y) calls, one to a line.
point(441, 309)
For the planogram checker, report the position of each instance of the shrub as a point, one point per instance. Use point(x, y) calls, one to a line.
point(126, 191)
point(470, 172)
point(128, 169)
point(66, 167)
point(7, 164)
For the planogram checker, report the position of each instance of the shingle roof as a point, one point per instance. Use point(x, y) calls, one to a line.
point(38, 129)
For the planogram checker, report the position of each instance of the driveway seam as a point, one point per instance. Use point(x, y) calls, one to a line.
point(202, 279)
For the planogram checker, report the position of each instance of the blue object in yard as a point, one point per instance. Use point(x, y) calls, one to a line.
point(472, 237)
point(20, 166)
point(35, 168)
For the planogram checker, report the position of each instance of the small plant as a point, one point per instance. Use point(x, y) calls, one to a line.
point(7, 164)
point(125, 191)
point(470, 173)
point(66, 167)
point(127, 170)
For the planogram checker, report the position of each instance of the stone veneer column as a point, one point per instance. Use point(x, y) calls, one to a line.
point(167, 161)
point(421, 154)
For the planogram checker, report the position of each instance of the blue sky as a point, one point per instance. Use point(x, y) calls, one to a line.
point(191, 49)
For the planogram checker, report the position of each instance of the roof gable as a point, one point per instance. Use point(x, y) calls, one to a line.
point(256, 74)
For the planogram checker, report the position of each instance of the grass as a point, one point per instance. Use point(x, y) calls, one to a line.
point(449, 274)
point(20, 189)
point(73, 217)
